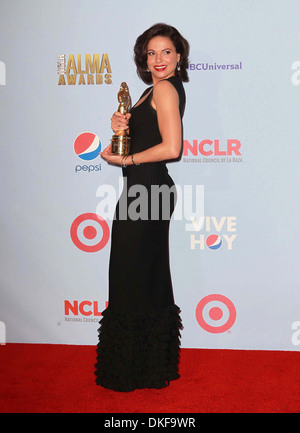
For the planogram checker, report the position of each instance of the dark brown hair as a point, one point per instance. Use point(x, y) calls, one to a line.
point(140, 50)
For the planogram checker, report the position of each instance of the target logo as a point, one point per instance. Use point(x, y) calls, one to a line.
point(215, 313)
point(89, 232)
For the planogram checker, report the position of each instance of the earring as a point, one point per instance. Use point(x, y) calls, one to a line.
point(178, 66)
point(147, 70)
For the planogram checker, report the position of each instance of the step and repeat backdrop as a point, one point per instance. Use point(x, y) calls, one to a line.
point(234, 238)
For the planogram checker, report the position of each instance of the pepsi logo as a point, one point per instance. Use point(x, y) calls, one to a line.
point(87, 146)
point(216, 313)
point(214, 242)
point(89, 232)
point(212, 238)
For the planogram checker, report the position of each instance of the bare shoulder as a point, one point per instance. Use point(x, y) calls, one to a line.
point(164, 89)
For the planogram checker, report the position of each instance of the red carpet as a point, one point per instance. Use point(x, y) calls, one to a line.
point(39, 378)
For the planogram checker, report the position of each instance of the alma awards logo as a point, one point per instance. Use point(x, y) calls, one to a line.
point(83, 70)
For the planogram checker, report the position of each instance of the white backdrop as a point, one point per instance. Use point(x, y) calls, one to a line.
point(236, 277)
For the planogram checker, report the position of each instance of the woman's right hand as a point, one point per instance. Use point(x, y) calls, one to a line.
point(119, 121)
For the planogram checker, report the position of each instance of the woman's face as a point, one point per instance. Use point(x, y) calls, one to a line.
point(161, 58)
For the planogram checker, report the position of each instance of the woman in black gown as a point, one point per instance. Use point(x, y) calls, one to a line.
point(139, 334)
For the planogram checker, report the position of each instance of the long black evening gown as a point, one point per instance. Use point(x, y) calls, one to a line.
point(139, 334)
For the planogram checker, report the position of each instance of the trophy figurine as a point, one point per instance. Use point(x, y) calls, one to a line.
point(120, 142)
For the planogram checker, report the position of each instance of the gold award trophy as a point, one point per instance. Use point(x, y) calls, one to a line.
point(120, 142)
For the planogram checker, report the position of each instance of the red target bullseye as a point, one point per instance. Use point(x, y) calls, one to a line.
point(215, 313)
point(90, 232)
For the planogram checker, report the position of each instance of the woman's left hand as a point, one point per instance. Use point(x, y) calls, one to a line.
point(110, 157)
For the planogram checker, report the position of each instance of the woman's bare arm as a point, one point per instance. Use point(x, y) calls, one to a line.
point(166, 102)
